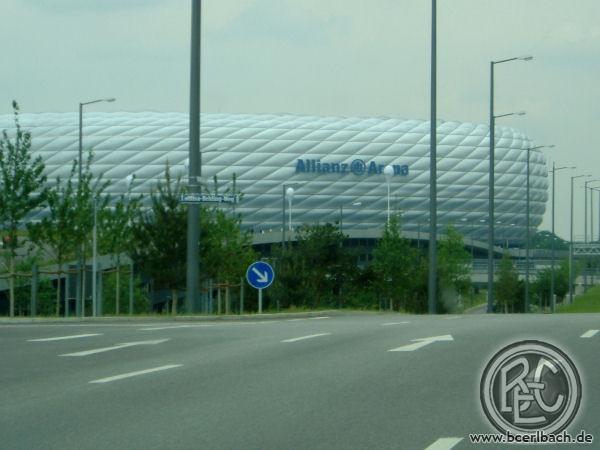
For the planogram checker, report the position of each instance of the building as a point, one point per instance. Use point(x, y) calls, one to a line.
point(335, 165)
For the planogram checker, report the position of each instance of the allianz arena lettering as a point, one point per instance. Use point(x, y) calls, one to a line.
point(357, 167)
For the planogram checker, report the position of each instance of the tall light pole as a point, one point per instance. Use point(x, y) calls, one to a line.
point(195, 161)
point(528, 226)
point(284, 194)
point(493, 118)
point(432, 278)
point(80, 294)
point(571, 242)
point(585, 233)
point(554, 170)
point(129, 181)
point(388, 172)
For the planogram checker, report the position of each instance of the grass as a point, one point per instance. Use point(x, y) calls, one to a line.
point(586, 303)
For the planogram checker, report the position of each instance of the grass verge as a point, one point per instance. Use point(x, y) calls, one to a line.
point(586, 303)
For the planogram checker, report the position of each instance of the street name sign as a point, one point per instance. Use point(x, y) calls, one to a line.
point(209, 198)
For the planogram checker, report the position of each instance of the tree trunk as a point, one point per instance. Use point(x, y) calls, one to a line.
point(58, 289)
point(174, 301)
point(118, 287)
point(218, 299)
point(12, 283)
point(227, 299)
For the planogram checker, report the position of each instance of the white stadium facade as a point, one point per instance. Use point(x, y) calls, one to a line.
point(334, 164)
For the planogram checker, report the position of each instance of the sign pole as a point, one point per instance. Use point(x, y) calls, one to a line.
point(260, 301)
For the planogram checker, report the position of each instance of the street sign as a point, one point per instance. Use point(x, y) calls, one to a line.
point(260, 275)
point(209, 198)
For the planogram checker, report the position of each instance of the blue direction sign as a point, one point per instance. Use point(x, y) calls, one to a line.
point(260, 275)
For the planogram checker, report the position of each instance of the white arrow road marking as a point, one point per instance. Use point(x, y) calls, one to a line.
point(444, 443)
point(135, 374)
point(422, 342)
point(61, 338)
point(393, 323)
point(589, 333)
point(301, 338)
point(262, 277)
point(115, 347)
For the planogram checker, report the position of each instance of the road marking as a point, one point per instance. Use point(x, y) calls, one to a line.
point(301, 338)
point(115, 347)
point(444, 443)
point(135, 374)
point(422, 342)
point(294, 320)
point(453, 317)
point(62, 338)
point(589, 333)
point(171, 327)
point(320, 317)
point(392, 323)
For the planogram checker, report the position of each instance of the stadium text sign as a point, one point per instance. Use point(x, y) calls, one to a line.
point(356, 167)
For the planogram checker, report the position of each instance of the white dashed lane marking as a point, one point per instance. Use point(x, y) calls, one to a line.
point(310, 336)
point(63, 338)
point(135, 374)
point(444, 443)
point(115, 347)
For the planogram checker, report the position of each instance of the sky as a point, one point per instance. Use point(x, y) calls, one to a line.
point(323, 57)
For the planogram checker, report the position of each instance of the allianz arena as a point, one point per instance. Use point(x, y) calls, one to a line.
point(334, 163)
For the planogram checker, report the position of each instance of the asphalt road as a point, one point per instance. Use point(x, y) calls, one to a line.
point(256, 385)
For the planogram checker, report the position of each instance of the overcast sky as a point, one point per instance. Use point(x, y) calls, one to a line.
point(322, 57)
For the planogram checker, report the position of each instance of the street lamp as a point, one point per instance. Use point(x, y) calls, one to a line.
point(554, 170)
point(289, 193)
point(80, 295)
point(287, 190)
point(571, 242)
point(528, 227)
point(491, 179)
point(388, 172)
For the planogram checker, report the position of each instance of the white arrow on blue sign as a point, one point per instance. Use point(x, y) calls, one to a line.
point(260, 275)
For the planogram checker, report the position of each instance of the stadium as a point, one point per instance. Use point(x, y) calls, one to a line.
point(334, 164)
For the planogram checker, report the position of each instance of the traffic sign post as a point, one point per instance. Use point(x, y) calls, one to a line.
point(260, 275)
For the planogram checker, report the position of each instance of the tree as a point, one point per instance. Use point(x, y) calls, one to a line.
point(314, 272)
point(116, 235)
point(507, 286)
point(453, 262)
point(396, 263)
point(160, 238)
point(54, 233)
point(22, 190)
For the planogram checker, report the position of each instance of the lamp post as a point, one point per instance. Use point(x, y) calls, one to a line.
point(554, 170)
point(80, 294)
point(289, 193)
point(585, 233)
point(388, 172)
point(491, 179)
point(129, 181)
point(287, 190)
point(195, 164)
point(528, 226)
point(571, 241)
point(432, 278)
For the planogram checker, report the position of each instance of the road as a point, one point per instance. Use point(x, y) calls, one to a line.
point(328, 382)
